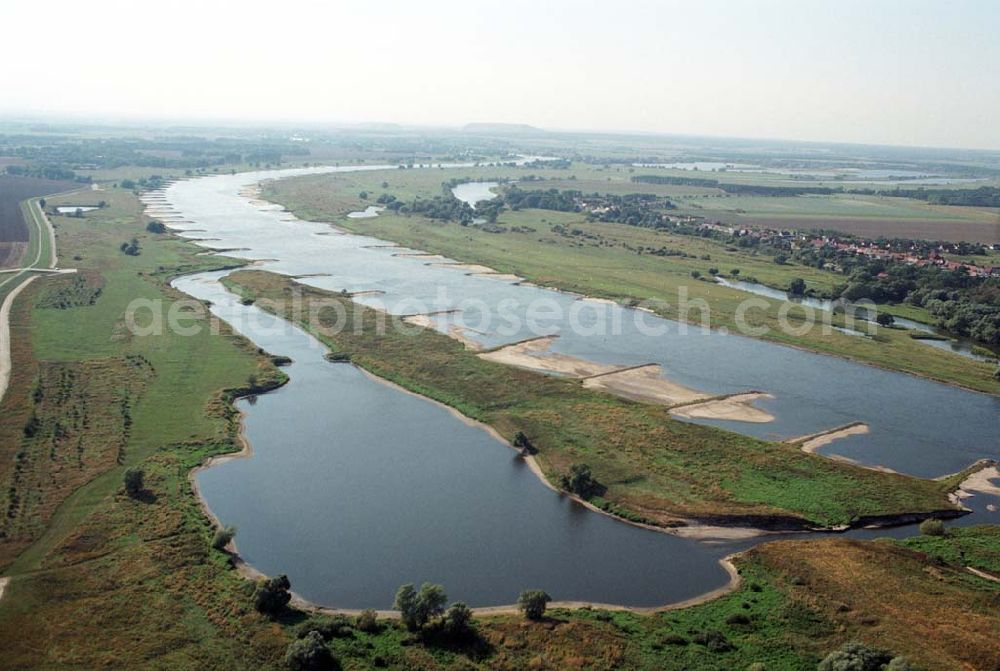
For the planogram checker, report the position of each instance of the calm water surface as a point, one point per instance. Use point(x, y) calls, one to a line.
point(356, 487)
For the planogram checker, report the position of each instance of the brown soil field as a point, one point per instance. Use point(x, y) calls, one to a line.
point(13, 190)
point(950, 231)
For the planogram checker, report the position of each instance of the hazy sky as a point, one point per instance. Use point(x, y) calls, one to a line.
point(894, 72)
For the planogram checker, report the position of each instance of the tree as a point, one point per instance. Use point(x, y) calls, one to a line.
point(458, 620)
point(533, 603)
point(223, 536)
point(734, 272)
point(272, 594)
point(797, 287)
point(855, 657)
point(363, 195)
point(781, 259)
point(309, 653)
point(932, 527)
point(416, 608)
point(134, 481)
point(41, 203)
point(522, 442)
point(156, 227)
point(884, 319)
point(695, 274)
point(579, 481)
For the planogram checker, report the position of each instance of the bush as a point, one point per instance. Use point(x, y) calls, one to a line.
point(458, 620)
point(533, 603)
point(737, 618)
point(855, 657)
point(797, 287)
point(223, 536)
point(309, 654)
point(674, 639)
point(156, 227)
point(714, 640)
point(368, 622)
point(932, 527)
point(134, 479)
point(885, 319)
point(579, 481)
point(272, 594)
point(338, 626)
point(695, 274)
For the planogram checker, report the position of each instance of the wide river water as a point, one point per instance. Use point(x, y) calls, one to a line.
point(356, 487)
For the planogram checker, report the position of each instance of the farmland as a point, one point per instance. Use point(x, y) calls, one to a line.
point(14, 233)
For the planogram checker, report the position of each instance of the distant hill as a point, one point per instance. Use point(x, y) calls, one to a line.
point(487, 128)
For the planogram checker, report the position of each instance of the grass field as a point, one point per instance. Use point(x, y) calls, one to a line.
point(604, 260)
point(867, 216)
point(77, 550)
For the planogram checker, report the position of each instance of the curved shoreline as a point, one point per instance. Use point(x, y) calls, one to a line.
point(733, 583)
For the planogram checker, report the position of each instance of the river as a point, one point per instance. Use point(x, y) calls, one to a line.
point(356, 487)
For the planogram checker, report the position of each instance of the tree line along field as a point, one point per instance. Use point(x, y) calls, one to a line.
point(14, 232)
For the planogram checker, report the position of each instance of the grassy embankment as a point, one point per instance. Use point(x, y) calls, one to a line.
point(654, 467)
point(132, 584)
point(98, 578)
point(602, 260)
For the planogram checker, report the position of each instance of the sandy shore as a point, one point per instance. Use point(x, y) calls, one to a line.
point(454, 331)
point(978, 482)
point(534, 355)
point(735, 580)
point(643, 383)
point(735, 407)
point(470, 268)
point(813, 442)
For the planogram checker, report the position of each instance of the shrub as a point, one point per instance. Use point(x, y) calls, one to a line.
point(309, 654)
point(579, 481)
point(338, 626)
point(458, 620)
point(885, 319)
point(714, 640)
point(368, 622)
point(695, 274)
point(855, 657)
point(533, 603)
point(932, 527)
point(272, 594)
point(737, 618)
point(674, 639)
point(222, 537)
point(134, 479)
point(156, 227)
